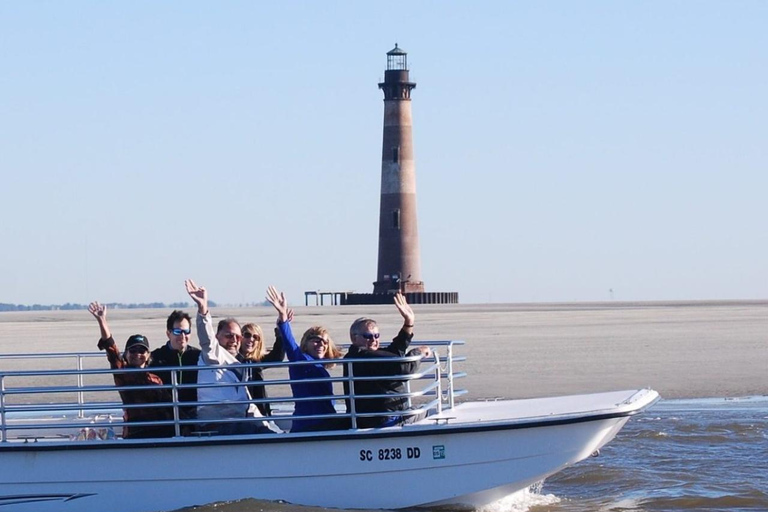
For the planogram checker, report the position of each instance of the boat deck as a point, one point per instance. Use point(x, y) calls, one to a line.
point(541, 409)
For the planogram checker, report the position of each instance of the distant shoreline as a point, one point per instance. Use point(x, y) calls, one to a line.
point(683, 349)
point(10, 308)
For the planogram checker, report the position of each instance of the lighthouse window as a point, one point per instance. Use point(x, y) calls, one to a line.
point(395, 154)
point(396, 219)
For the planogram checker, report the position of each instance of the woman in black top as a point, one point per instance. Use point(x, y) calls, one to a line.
point(252, 351)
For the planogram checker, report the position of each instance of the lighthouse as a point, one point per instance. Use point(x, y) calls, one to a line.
point(399, 264)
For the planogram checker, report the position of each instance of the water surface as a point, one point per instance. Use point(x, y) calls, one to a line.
point(682, 455)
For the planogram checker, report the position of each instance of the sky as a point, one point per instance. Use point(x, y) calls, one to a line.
point(565, 151)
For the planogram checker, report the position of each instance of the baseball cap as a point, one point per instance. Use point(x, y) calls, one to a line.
point(137, 339)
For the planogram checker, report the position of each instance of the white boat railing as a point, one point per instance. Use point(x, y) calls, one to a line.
point(48, 406)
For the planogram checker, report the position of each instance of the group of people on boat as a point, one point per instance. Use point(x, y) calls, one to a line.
point(230, 396)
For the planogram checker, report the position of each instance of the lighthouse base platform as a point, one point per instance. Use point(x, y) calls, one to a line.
point(355, 299)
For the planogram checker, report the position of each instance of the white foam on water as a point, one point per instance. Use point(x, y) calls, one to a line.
point(626, 504)
point(521, 501)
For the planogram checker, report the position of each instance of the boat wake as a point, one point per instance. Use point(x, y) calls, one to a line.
point(522, 501)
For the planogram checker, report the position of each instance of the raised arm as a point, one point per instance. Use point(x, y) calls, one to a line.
point(212, 352)
point(277, 353)
point(406, 312)
point(99, 312)
point(278, 300)
point(199, 295)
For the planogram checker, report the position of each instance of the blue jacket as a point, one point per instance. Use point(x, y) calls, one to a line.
point(309, 389)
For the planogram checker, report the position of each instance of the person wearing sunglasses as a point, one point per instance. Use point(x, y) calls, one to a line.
point(316, 345)
point(220, 348)
point(365, 337)
point(252, 351)
point(136, 355)
point(178, 352)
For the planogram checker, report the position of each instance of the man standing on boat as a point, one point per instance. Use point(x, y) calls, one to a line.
point(178, 352)
point(364, 335)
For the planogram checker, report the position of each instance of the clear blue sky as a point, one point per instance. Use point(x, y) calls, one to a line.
point(563, 149)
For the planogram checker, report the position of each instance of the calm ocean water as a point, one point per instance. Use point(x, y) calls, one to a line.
point(682, 455)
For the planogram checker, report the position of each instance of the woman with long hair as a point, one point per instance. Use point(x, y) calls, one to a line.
point(316, 345)
point(252, 351)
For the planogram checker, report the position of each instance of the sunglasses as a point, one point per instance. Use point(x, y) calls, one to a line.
point(250, 335)
point(370, 335)
point(318, 340)
point(232, 336)
point(138, 350)
point(179, 332)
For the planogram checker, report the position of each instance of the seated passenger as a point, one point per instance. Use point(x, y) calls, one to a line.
point(316, 344)
point(178, 352)
point(221, 348)
point(364, 334)
point(252, 351)
point(136, 355)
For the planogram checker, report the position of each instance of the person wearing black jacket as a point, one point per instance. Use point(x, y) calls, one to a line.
point(178, 352)
point(364, 335)
point(252, 351)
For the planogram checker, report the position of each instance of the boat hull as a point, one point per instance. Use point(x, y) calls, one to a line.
point(456, 461)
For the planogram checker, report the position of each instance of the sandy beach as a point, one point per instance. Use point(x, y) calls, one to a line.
point(681, 349)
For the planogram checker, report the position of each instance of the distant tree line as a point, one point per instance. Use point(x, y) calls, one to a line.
point(112, 305)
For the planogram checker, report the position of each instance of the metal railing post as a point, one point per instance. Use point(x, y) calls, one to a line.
point(438, 382)
point(450, 375)
point(351, 380)
point(3, 433)
point(175, 400)
point(408, 391)
point(80, 394)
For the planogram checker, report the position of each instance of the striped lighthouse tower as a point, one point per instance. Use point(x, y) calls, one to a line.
point(399, 265)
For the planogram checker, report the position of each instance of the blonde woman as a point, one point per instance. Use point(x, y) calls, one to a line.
point(316, 345)
point(252, 351)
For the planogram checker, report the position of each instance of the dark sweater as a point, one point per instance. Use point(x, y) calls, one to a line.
point(381, 367)
point(167, 356)
point(256, 376)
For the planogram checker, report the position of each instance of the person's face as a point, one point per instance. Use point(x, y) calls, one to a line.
point(250, 341)
point(137, 356)
point(179, 335)
point(230, 337)
point(368, 337)
point(317, 347)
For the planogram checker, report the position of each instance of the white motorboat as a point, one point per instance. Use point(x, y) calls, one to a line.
point(60, 455)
